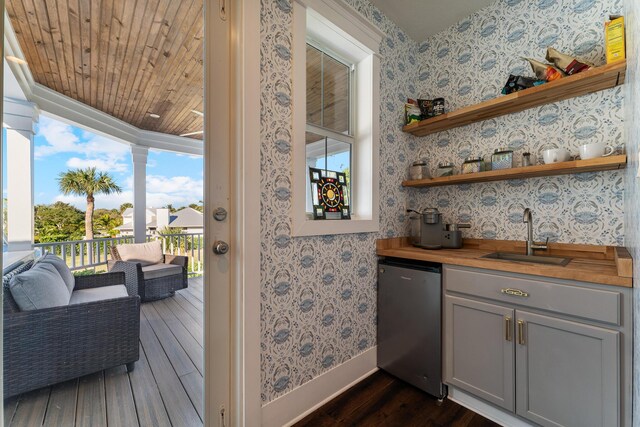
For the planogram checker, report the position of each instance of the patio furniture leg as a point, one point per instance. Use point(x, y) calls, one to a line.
point(131, 366)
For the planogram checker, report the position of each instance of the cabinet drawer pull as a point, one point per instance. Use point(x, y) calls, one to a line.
point(521, 340)
point(514, 292)
point(507, 328)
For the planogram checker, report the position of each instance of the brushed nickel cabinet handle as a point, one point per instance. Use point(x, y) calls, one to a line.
point(521, 339)
point(514, 292)
point(507, 329)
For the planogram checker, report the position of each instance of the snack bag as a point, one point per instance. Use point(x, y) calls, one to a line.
point(517, 83)
point(566, 63)
point(411, 112)
point(426, 108)
point(546, 72)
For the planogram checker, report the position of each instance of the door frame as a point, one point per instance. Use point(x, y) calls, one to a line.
point(246, 381)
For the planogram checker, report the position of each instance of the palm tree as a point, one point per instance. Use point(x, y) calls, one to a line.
point(87, 182)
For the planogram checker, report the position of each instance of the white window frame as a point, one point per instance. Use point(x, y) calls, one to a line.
point(347, 138)
point(350, 36)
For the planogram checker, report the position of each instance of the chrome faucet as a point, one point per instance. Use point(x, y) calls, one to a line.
point(531, 244)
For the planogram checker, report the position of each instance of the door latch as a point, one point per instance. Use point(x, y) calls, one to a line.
point(220, 214)
point(220, 247)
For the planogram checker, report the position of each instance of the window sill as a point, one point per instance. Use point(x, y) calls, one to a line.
point(329, 227)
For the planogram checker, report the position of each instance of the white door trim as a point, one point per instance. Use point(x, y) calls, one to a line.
point(245, 105)
point(218, 184)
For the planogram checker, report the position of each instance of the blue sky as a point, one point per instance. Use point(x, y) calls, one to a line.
point(171, 178)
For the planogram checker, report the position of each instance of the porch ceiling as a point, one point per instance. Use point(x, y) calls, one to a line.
point(125, 58)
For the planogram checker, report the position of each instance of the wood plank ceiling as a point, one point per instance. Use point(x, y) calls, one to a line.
point(127, 58)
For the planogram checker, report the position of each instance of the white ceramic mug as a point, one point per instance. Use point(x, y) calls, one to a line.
point(555, 155)
point(595, 150)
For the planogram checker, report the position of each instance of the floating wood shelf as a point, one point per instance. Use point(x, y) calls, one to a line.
point(594, 80)
point(564, 168)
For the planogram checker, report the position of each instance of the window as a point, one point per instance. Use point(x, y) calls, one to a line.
point(329, 131)
point(336, 111)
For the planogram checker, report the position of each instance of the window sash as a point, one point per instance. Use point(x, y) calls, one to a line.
point(328, 133)
point(327, 51)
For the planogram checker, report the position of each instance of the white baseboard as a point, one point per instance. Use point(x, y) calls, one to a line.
point(486, 410)
point(300, 402)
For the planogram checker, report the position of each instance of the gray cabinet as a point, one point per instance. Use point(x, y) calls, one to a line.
point(553, 352)
point(566, 372)
point(479, 349)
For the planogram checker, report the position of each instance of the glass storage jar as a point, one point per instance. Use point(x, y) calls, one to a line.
point(502, 158)
point(472, 165)
point(444, 169)
point(419, 170)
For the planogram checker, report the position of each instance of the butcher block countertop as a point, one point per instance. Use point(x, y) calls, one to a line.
point(608, 265)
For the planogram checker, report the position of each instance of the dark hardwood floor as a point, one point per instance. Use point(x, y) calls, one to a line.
point(382, 400)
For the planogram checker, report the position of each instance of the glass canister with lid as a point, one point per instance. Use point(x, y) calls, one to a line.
point(419, 170)
point(472, 165)
point(502, 158)
point(445, 169)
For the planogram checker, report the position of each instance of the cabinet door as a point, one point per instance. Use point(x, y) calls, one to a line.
point(479, 349)
point(567, 373)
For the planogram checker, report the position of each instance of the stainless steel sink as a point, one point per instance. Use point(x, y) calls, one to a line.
point(537, 259)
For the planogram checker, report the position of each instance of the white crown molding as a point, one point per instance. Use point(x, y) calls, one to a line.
point(76, 113)
point(348, 20)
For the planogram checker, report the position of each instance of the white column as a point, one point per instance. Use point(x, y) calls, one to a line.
point(19, 120)
point(139, 155)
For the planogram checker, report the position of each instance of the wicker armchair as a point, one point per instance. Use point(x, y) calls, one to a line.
point(142, 280)
point(47, 346)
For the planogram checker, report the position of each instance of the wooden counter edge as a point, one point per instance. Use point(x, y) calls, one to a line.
point(623, 260)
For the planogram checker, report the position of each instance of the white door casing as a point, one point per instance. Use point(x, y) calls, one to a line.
point(217, 184)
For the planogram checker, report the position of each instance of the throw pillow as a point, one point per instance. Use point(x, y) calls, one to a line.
point(145, 253)
point(62, 268)
point(40, 287)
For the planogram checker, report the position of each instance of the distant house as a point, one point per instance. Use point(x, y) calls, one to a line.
point(188, 219)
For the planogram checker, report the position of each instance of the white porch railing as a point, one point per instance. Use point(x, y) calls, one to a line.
point(84, 254)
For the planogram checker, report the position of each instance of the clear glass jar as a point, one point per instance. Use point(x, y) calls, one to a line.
point(502, 158)
point(419, 170)
point(444, 169)
point(472, 165)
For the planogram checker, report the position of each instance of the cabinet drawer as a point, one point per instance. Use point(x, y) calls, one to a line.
point(588, 303)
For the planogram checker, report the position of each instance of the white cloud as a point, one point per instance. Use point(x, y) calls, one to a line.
point(59, 136)
point(174, 184)
point(105, 153)
point(108, 164)
point(161, 191)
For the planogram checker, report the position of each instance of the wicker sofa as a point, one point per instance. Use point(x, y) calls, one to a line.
point(148, 272)
point(94, 331)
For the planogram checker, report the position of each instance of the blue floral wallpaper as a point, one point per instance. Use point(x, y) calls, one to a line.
point(318, 297)
point(469, 63)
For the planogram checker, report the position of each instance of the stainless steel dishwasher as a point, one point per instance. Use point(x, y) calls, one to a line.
point(409, 323)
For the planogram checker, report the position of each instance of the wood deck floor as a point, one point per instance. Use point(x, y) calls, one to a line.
point(165, 388)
